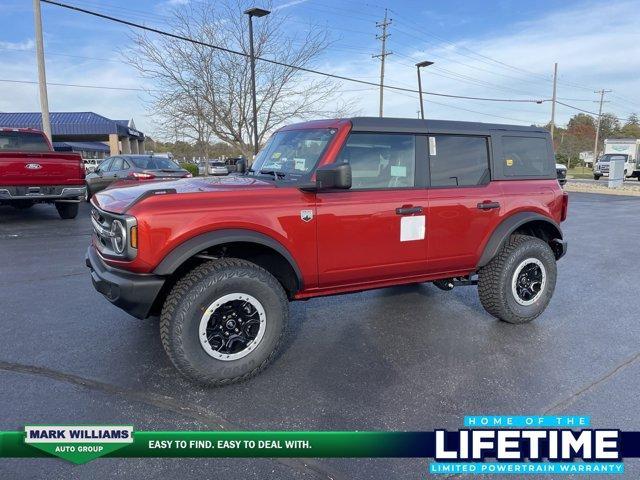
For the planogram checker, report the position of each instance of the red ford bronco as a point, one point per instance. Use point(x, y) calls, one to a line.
point(31, 172)
point(329, 207)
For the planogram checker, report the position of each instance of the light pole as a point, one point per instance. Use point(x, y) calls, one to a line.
point(426, 63)
point(254, 12)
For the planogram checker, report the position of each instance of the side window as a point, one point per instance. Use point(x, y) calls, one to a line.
point(125, 165)
point(104, 166)
point(116, 164)
point(458, 160)
point(526, 157)
point(380, 160)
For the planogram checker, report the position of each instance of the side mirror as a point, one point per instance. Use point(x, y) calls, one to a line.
point(241, 165)
point(334, 176)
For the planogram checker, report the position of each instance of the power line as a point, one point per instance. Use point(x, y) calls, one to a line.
point(275, 62)
point(100, 87)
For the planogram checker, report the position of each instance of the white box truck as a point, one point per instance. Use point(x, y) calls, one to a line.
point(627, 149)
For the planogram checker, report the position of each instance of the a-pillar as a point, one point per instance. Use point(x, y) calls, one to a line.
point(126, 145)
point(114, 144)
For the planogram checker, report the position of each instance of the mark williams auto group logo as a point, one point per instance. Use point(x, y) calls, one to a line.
point(78, 444)
point(527, 445)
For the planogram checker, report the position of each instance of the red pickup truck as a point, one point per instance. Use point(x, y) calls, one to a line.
point(331, 207)
point(31, 172)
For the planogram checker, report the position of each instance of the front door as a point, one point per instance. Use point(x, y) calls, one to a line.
point(377, 229)
point(464, 205)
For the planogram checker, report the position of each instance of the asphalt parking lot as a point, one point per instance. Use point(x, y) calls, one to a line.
point(409, 358)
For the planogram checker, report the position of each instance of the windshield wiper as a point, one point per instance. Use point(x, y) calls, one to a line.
point(277, 175)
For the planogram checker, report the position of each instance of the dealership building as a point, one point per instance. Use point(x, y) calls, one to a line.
point(90, 134)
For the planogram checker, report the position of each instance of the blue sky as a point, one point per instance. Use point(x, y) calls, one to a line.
point(503, 49)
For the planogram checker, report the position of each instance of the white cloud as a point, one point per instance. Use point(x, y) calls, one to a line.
point(596, 45)
point(288, 4)
point(24, 45)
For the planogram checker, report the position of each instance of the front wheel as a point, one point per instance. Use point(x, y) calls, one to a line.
point(517, 284)
point(224, 321)
point(67, 210)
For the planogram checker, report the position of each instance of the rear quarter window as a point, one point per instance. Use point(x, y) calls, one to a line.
point(526, 157)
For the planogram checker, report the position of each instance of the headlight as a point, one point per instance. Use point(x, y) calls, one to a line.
point(119, 238)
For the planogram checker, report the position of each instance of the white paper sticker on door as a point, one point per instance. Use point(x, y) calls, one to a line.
point(412, 228)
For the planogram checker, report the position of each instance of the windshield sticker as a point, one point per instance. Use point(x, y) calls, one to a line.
point(300, 163)
point(509, 162)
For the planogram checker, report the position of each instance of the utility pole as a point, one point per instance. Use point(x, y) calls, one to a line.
point(553, 100)
point(383, 53)
point(595, 145)
point(42, 76)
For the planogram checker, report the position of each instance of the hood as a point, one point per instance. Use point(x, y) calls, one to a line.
point(119, 198)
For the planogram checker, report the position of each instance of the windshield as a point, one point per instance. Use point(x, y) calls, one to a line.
point(608, 158)
point(293, 154)
point(23, 142)
point(154, 163)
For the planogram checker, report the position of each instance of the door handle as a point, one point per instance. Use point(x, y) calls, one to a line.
point(408, 210)
point(488, 205)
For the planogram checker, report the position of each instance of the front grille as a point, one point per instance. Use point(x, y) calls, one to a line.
point(103, 235)
point(102, 230)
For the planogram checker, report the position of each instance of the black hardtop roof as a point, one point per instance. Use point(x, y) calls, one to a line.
point(415, 125)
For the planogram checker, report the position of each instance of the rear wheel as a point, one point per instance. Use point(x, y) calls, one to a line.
point(517, 284)
point(224, 321)
point(67, 210)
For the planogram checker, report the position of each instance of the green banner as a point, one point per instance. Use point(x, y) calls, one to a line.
point(62, 442)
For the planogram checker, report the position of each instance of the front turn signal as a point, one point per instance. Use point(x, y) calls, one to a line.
point(133, 235)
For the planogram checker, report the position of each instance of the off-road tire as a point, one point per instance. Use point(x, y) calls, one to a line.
point(495, 279)
point(199, 288)
point(67, 210)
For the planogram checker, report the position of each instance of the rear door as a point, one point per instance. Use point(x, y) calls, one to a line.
point(464, 205)
point(115, 170)
point(376, 230)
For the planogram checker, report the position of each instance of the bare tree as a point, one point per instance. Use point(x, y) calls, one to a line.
point(207, 92)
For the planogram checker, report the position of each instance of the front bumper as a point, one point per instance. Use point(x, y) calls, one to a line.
point(45, 192)
point(134, 293)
